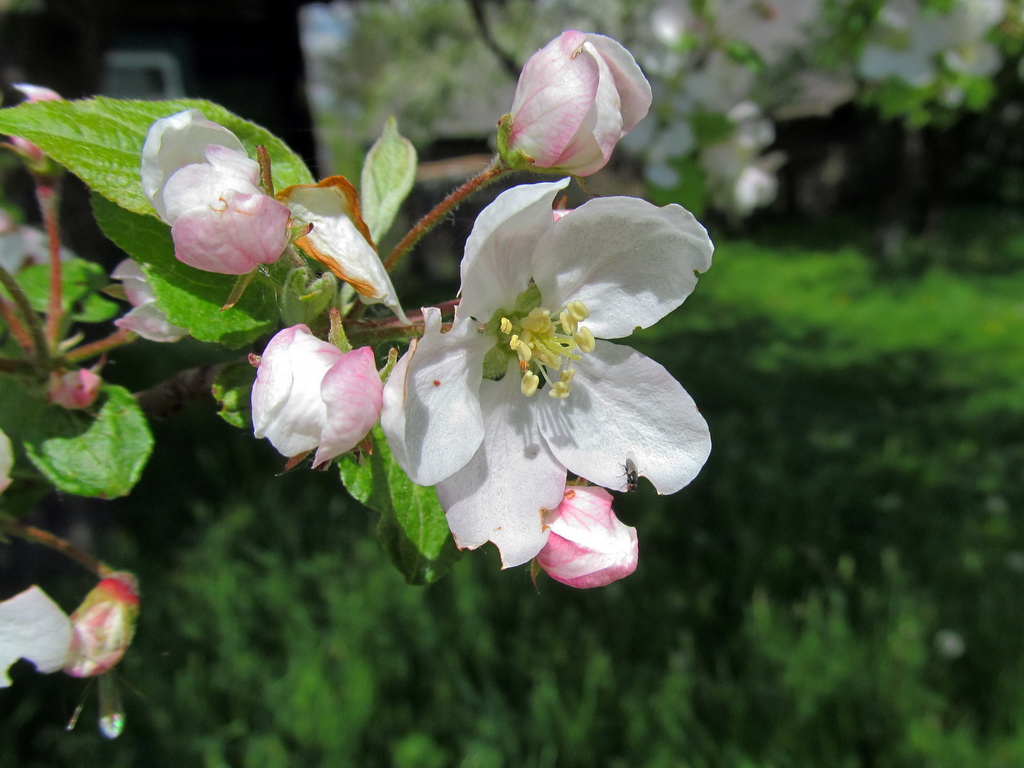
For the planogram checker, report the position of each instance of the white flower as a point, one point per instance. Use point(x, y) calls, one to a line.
point(524, 387)
point(309, 394)
point(146, 318)
point(199, 180)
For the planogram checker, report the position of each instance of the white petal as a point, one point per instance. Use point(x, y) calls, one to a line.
point(287, 407)
point(200, 185)
point(633, 89)
point(431, 413)
point(352, 391)
point(150, 322)
point(338, 242)
point(176, 141)
point(136, 288)
point(629, 261)
point(496, 266)
point(623, 404)
point(501, 494)
point(33, 627)
point(6, 460)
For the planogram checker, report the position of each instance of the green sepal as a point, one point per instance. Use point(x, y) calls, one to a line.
point(232, 389)
point(412, 527)
point(515, 159)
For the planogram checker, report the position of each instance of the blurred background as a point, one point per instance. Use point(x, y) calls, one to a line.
point(841, 585)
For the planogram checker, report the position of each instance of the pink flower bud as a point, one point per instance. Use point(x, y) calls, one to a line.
point(588, 545)
point(199, 180)
point(33, 155)
point(146, 319)
point(309, 394)
point(576, 97)
point(74, 389)
point(103, 625)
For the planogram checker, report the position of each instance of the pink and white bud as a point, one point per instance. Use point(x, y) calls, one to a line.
point(74, 389)
point(103, 626)
point(576, 98)
point(309, 394)
point(146, 318)
point(588, 545)
point(199, 180)
point(6, 460)
point(33, 155)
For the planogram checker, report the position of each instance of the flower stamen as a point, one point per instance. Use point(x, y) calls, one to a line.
point(544, 346)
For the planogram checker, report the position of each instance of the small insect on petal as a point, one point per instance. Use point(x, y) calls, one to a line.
point(631, 473)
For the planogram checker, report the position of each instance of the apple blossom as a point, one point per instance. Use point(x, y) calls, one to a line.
point(74, 389)
point(539, 298)
point(33, 627)
point(588, 545)
point(103, 626)
point(576, 97)
point(146, 318)
point(199, 180)
point(309, 394)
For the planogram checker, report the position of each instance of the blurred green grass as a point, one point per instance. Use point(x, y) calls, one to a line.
point(839, 587)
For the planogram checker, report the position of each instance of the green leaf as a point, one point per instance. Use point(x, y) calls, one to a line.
point(81, 282)
point(88, 454)
point(412, 528)
point(232, 388)
point(191, 298)
point(387, 178)
point(100, 141)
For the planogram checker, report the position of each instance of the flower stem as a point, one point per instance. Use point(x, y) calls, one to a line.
point(118, 338)
point(442, 209)
point(38, 536)
point(48, 195)
point(36, 336)
point(18, 329)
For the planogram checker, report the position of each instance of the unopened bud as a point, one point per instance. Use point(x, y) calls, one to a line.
point(103, 625)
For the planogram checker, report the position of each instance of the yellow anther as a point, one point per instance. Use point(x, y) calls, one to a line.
point(577, 310)
point(569, 324)
point(538, 321)
point(560, 390)
point(524, 351)
point(528, 386)
point(566, 376)
point(584, 339)
point(513, 343)
point(506, 326)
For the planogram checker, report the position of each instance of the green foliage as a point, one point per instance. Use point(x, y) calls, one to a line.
point(836, 587)
point(96, 452)
point(191, 298)
point(412, 526)
point(100, 141)
point(81, 282)
point(388, 175)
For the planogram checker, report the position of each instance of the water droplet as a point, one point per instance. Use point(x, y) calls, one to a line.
point(111, 708)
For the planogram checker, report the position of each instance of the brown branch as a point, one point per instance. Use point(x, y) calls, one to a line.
point(173, 394)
